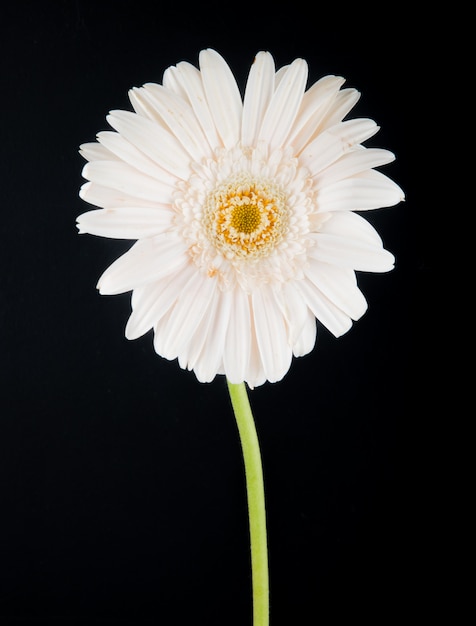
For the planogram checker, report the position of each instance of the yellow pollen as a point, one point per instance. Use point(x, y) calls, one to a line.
point(245, 218)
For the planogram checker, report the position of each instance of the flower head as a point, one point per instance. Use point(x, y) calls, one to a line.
point(244, 213)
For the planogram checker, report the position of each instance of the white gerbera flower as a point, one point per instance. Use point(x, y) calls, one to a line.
point(244, 214)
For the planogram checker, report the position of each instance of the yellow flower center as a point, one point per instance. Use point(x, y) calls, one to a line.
point(246, 217)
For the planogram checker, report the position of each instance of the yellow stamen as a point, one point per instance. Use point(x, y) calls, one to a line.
point(245, 218)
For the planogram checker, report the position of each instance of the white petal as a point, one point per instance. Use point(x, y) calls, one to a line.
point(109, 198)
point(236, 354)
point(258, 92)
point(188, 78)
point(123, 150)
point(143, 316)
point(333, 318)
point(332, 143)
point(93, 151)
point(171, 81)
point(344, 102)
point(339, 286)
point(315, 104)
point(208, 364)
point(370, 190)
point(126, 222)
point(142, 108)
point(178, 117)
point(307, 339)
point(271, 334)
point(354, 162)
point(223, 96)
point(153, 140)
point(294, 309)
point(147, 261)
point(347, 240)
point(299, 320)
point(280, 74)
point(284, 105)
point(255, 375)
point(151, 302)
point(192, 302)
point(189, 357)
point(122, 177)
point(352, 254)
point(352, 226)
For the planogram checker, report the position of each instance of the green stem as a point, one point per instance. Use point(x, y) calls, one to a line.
point(256, 504)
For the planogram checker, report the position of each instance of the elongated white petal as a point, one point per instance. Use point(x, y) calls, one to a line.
point(190, 356)
point(314, 106)
point(193, 305)
point(152, 301)
point(339, 286)
point(238, 340)
point(255, 375)
point(110, 198)
point(284, 105)
point(223, 96)
point(344, 102)
point(93, 151)
point(371, 190)
point(354, 162)
point(142, 108)
point(352, 226)
point(258, 93)
point(123, 150)
point(178, 117)
point(280, 74)
point(144, 300)
point(209, 362)
point(294, 310)
point(348, 240)
point(351, 253)
point(331, 144)
point(122, 177)
point(171, 81)
point(333, 318)
point(307, 339)
point(187, 79)
point(299, 319)
point(193, 301)
point(126, 222)
point(147, 261)
point(154, 140)
point(271, 335)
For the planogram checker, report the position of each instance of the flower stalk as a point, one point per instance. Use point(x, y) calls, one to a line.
point(256, 502)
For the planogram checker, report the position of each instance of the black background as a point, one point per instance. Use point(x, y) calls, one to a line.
point(121, 479)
